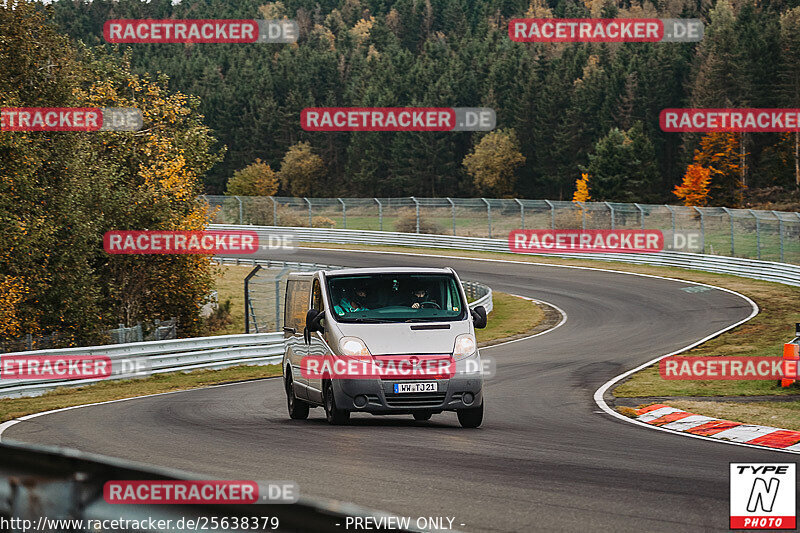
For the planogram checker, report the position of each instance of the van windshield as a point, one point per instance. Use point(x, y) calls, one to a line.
point(395, 298)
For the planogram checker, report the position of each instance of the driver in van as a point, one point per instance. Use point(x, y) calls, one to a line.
point(418, 297)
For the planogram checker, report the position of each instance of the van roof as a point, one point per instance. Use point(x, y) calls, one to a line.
point(381, 270)
point(388, 270)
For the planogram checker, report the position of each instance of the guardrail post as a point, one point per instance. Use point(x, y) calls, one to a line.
point(780, 231)
point(416, 203)
point(274, 211)
point(380, 214)
point(613, 221)
point(488, 215)
point(672, 216)
point(758, 232)
point(521, 212)
point(552, 214)
point(240, 210)
point(453, 211)
point(641, 213)
point(730, 216)
point(702, 227)
point(310, 223)
point(344, 213)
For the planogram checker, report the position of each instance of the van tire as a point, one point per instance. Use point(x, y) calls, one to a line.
point(298, 409)
point(422, 416)
point(335, 416)
point(471, 418)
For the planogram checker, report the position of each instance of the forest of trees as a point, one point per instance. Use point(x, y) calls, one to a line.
point(571, 108)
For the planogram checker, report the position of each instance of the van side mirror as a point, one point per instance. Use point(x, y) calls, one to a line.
point(479, 317)
point(313, 319)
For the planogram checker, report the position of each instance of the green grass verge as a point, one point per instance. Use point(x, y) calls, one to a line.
point(116, 390)
point(510, 316)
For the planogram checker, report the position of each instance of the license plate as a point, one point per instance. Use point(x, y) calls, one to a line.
point(416, 387)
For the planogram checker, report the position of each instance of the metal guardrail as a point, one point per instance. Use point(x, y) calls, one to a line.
point(159, 357)
point(41, 484)
point(787, 274)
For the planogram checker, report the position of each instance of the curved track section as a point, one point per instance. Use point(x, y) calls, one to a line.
point(546, 457)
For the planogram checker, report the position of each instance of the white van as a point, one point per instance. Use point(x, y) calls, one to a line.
point(411, 324)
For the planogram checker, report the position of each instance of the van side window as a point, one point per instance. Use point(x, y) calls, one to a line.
point(294, 313)
point(316, 300)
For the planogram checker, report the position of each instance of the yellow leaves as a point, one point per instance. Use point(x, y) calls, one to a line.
point(694, 190)
point(362, 28)
point(13, 291)
point(582, 189)
point(493, 161)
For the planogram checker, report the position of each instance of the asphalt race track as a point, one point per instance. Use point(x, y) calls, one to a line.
point(546, 457)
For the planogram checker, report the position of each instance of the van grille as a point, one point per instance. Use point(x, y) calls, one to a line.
point(428, 399)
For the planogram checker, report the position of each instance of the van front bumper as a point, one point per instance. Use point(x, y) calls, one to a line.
point(377, 396)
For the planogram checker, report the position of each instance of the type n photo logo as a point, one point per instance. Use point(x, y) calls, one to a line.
point(763, 496)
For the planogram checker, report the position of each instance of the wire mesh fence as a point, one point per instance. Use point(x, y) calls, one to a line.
point(747, 233)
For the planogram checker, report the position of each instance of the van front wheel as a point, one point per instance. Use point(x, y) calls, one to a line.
point(334, 415)
point(298, 409)
point(471, 418)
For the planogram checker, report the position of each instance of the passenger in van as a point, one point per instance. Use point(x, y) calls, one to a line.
point(353, 300)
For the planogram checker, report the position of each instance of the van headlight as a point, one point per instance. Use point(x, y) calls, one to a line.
point(465, 346)
point(352, 346)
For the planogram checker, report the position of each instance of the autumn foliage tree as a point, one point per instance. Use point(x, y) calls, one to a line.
point(695, 187)
point(257, 179)
point(720, 153)
point(493, 162)
point(300, 170)
point(60, 192)
point(582, 189)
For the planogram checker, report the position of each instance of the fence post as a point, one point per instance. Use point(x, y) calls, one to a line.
point(310, 223)
point(274, 211)
point(583, 215)
point(730, 216)
point(641, 213)
point(488, 215)
point(552, 214)
point(380, 213)
point(780, 230)
point(672, 216)
point(758, 233)
point(613, 221)
point(247, 299)
point(240, 210)
point(702, 227)
point(521, 212)
point(344, 213)
point(453, 210)
point(416, 203)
